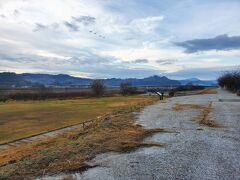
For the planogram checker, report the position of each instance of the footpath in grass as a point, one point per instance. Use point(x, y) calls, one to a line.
point(20, 119)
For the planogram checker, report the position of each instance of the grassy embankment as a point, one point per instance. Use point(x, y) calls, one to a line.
point(20, 119)
point(68, 152)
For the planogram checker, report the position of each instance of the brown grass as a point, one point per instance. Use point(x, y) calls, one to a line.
point(117, 104)
point(209, 91)
point(203, 117)
point(180, 107)
point(66, 153)
point(20, 119)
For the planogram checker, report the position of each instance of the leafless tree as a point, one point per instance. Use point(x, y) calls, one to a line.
point(98, 87)
point(127, 88)
point(230, 81)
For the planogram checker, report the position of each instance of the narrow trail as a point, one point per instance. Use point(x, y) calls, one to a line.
point(45, 135)
point(196, 152)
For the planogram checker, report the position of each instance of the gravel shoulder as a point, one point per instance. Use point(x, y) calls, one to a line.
point(209, 153)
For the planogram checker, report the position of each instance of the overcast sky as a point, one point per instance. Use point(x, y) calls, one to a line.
point(120, 38)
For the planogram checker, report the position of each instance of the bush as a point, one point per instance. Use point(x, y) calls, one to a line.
point(98, 87)
point(230, 81)
point(171, 93)
point(127, 89)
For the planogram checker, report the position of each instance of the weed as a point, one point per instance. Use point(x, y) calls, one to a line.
point(179, 107)
point(203, 117)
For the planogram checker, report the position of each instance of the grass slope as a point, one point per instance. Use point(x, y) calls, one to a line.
point(68, 152)
point(20, 119)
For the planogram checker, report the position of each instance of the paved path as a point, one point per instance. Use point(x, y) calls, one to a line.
point(211, 153)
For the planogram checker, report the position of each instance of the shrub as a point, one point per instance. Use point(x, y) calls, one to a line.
point(171, 93)
point(98, 87)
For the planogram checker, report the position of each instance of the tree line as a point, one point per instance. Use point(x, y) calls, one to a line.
point(230, 81)
point(97, 89)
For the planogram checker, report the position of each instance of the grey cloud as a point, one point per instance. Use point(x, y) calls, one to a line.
point(16, 12)
point(166, 61)
point(202, 73)
point(221, 42)
point(85, 20)
point(88, 60)
point(39, 26)
point(2, 16)
point(111, 71)
point(55, 25)
point(21, 58)
point(4, 56)
point(71, 26)
point(96, 34)
point(137, 61)
point(129, 38)
point(140, 61)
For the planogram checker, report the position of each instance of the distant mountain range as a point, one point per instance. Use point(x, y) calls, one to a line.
point(57, 80)
point(10, 79)
point(28, 79)
point(195, 81)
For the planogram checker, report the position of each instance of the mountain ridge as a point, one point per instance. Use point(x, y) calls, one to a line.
point(30, 79)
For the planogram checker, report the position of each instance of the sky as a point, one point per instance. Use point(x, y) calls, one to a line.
point(120, 38)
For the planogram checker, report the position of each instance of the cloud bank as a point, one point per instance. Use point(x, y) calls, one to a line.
point(124, 38)
point(221, 42)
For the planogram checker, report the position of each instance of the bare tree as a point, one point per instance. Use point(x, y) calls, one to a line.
point(98, 87)
point(230, 81)
point(127, 88)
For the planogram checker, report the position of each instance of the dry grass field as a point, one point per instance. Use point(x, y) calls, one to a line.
point(68, 152)
point(19, 119)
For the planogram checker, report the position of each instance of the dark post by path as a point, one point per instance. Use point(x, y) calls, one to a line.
point(160, 95)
